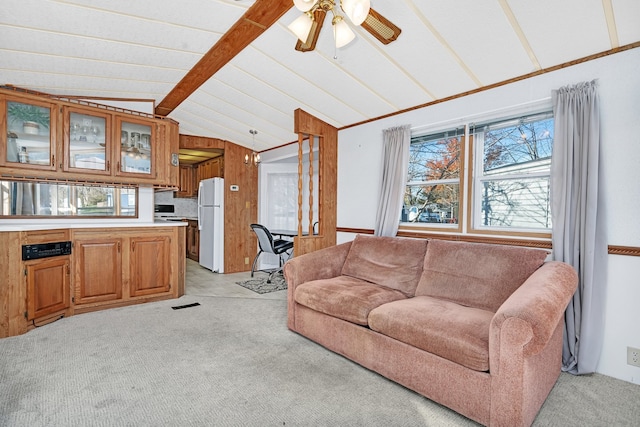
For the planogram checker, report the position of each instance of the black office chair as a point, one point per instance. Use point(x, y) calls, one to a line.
point(267, 244)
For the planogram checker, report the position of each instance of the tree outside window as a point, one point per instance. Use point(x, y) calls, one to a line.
point(432, 194)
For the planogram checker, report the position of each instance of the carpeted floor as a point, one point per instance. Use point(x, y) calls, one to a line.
point(232, 362)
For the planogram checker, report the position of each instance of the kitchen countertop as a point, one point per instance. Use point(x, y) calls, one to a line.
point(90, 224)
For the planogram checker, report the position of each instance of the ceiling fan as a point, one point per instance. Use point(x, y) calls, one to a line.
point(307, 27)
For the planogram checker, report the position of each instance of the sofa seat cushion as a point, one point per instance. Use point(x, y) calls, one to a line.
point(345, 297)
point(476, 275)
point(392, 262)
point(452, 331)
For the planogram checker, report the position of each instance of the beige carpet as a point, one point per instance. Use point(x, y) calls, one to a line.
point(232, 362)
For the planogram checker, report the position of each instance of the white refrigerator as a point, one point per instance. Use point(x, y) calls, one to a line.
point(211, 223)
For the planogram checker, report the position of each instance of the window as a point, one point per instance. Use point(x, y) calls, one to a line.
point(510, 163)
point(432, 195)
point(28, 199)
point(511, 174)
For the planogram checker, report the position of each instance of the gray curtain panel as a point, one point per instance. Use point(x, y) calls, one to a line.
point(579, 233)
point(395, 163)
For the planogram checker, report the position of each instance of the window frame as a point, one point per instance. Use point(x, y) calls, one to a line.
point(432, 135)
point(477, 178)
point(472, 160)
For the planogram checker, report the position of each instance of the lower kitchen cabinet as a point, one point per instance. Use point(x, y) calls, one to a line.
point(108, 267)
point(145, 253)
point(150, 265)
point(48, 289)
point(193, 240)
point(98, 272)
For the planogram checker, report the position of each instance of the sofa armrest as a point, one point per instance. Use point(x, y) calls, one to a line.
point(525, 344)
point(530, 316)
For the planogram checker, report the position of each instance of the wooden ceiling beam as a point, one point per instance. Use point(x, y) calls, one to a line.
point(255, 21)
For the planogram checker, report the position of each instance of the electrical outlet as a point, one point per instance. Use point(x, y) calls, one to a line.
point(633, 356)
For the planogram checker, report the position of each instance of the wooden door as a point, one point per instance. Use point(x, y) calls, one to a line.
point(150, 268)
point(48, 288)
point(98, 270)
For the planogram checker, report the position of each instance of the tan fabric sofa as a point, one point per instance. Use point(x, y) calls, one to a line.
point(475, 327)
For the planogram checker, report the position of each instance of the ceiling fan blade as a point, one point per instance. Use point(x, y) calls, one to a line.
point(314, 33)
point(380, 27)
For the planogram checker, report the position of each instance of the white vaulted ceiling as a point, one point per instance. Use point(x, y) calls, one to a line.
point(138, 49)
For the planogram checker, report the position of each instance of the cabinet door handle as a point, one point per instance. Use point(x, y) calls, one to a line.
point(108, 165)
point(118, 247)
point(133, 246)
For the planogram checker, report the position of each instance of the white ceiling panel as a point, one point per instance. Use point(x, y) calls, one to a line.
point(66, 46)
point(208, 15)
point(479, 34)
point(422, 57)
point(48, 64)
point(143, 48)
point(315, 68)
point(104, 24)
point(560, 31)
point(627, 20)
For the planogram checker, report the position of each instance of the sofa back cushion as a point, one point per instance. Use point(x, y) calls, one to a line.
point(476, 274)
point(393, 262)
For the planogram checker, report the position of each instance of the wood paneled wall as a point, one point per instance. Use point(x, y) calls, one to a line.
point(241, 207)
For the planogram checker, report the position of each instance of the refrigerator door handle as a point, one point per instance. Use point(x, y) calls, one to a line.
point(199, 206)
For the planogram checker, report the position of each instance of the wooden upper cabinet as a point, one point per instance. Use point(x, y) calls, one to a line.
point(84, 142)
point(213, 168)
point(188, 185)
point(28, 129)
point(87, 141)
point(137, 147)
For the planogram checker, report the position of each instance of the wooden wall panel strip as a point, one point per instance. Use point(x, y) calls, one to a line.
point(624, 250)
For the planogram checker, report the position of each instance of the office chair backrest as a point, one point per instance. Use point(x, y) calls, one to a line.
point(265, 239)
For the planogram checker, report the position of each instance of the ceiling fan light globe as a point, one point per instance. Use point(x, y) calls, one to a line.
point(356, 10)
point(301, 27)
point(342, 34)
point(304, 5)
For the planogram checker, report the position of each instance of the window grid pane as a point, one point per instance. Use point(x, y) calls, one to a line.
point(511, 189)
point(517, 203)
point(432, 194)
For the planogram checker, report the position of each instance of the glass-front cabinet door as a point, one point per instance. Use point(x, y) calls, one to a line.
point(87, 141)
point(30, 131)
point(136, 148)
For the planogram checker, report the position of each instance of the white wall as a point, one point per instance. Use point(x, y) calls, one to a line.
point(359, 160)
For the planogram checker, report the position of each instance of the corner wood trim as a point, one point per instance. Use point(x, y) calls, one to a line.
point(612, 249)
